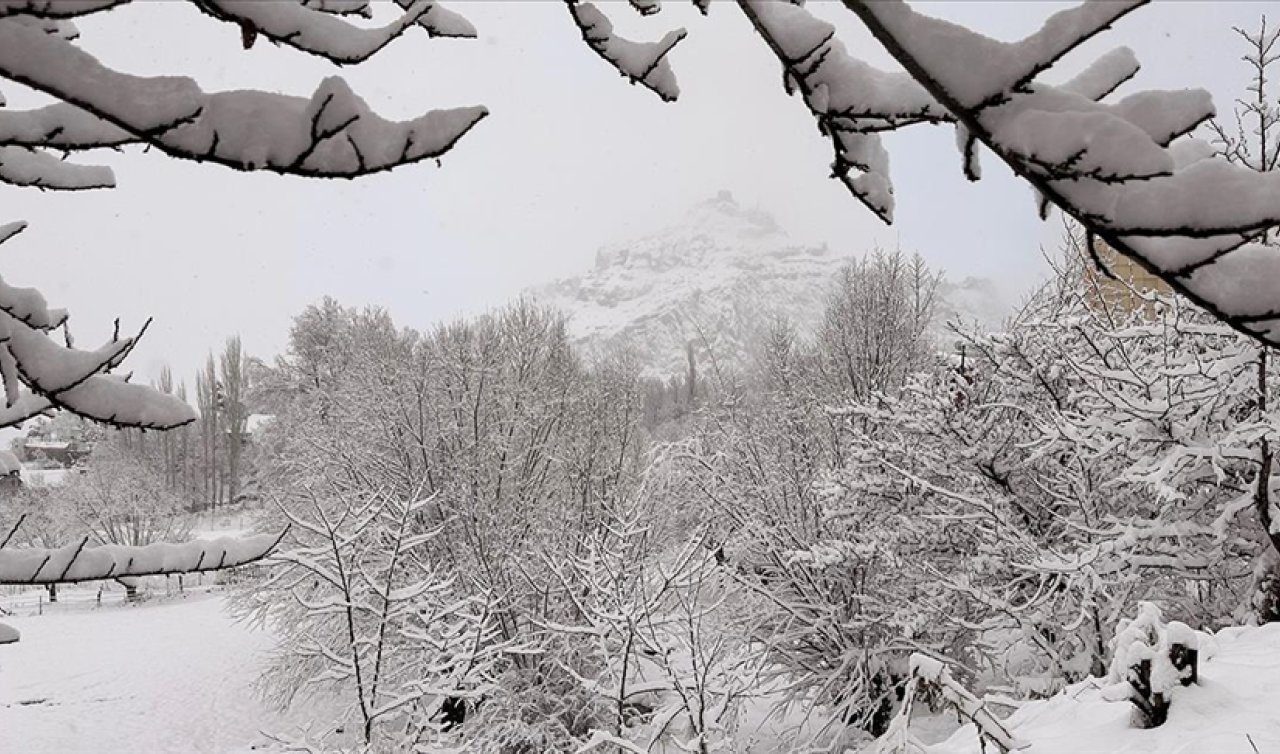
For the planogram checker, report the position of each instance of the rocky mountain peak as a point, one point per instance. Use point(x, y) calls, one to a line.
point(711, 279)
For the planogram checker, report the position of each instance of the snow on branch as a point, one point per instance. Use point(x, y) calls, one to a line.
point(850, 99)
point(56, 8)
point(313, 30)
point(1104, 75)
point(1122, 170)
point(642, 62)
point(77, 562)
point(112, 399)
point(53, 26)
point(20, 166)
point(59, 126)
point(26, 405)
point(944, 49)
point(9, 230)
point(360, 8)
point(646, 7)
point(332, 134)
point(442, 22)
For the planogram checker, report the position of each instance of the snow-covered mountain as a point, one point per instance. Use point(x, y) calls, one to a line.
point(713, 280)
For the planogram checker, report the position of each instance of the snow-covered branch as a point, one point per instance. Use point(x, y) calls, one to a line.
point(20, 166)
point(851, 100)
point(332, 134)
point(78, 562)
point(39, 374)
point(317, 31)
point(641, 62)
point(58, 9)
point(1117, 169)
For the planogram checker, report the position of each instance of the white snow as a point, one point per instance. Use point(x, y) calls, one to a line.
point(1103, 75)
point(110, 398)
point(442, 22)
point(162, 677)
point(1231, 710)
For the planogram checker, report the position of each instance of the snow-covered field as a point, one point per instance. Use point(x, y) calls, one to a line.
point(165, 676)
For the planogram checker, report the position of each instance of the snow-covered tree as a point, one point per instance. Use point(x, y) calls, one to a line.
point(824, 594)
point(1102, 450)
point(362, 609)
point(875, 327)
point(523, 447)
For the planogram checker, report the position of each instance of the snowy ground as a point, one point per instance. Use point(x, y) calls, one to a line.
point(1234, 709)
point(165, 676)
point(177, 675)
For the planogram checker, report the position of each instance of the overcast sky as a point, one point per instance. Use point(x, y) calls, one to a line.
point(571, 158)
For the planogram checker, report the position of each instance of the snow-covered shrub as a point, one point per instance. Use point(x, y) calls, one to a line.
point(1149, 660)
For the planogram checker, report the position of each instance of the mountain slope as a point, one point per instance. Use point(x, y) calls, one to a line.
point(713, 280)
